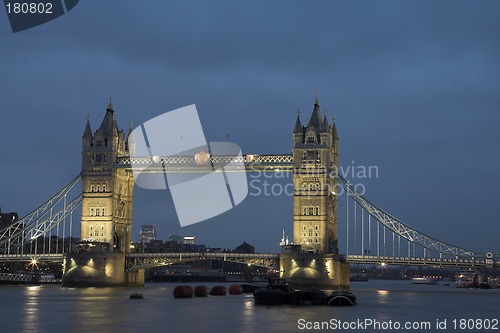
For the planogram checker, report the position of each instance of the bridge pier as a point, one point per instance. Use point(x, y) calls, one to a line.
point(98, 269)
point(313, 270)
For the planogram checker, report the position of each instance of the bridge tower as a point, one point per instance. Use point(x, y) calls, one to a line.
point(106, 190)
point(106, 220)
point(313, 258)
point(315, 156)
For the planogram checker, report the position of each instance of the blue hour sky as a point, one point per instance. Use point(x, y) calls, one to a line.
point(414, 86)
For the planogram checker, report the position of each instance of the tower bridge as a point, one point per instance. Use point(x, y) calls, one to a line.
point(372, 234)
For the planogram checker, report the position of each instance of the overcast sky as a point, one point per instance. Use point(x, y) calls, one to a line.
point(414, 86)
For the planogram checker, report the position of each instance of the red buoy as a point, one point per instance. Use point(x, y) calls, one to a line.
point(183, 292)
point(235, 289)
point(200, 291)
point(218, 291)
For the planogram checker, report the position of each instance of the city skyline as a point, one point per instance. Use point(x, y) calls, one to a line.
point(413, 87)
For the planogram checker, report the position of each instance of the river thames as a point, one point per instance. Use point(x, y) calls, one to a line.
point(429, 308)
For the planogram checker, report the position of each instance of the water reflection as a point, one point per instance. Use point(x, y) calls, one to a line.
point(248, 315)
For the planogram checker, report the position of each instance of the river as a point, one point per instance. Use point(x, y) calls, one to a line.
point(50, 308)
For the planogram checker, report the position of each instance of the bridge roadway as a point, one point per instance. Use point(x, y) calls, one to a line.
point(147, 260)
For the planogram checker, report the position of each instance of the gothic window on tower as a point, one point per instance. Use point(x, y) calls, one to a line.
point(311, 137)
point(92, 188)
point(104, 188)
point(304, 155)
point(99, 143)
point(98, 158)
point(104, 159)
point(92, 211)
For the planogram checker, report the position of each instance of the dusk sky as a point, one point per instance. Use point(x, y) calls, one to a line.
point(414, 86)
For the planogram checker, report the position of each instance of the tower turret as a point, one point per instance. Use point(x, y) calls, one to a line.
point(87, 136)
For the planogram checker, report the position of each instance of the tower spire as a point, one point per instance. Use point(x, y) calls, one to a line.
point(325, 126)
point(110, 104)
point(298, 124)
point(87, 133)
point(334, 128)
point(315, 120)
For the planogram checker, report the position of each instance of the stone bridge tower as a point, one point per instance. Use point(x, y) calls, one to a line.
point(106, 190)
point(315, 156)
point(313, 259)
point(106, 223)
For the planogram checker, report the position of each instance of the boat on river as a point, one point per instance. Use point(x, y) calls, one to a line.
point(277, 291)
point(136, 296)
point(423, 280)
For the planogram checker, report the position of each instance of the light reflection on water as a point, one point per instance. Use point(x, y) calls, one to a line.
point(30, 319)
point(50, 308)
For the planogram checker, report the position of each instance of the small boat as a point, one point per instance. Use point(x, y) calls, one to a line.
point(358, 277)
point(467, 278)
point(423, 280)
point(276, 292)
point(340, 298)
point(249, 288)
point(307, 297)
point(136, 296)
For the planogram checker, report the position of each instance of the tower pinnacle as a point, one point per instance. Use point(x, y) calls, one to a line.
point(87, 133)
point(298, 124)
point(110, 104)
point(316, 101)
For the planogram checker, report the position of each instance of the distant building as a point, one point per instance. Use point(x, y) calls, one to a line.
point(245, 248)
point(176, 238)
point(147, 233)
point(189, 240)
point(181, 240)
point(7, 219)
